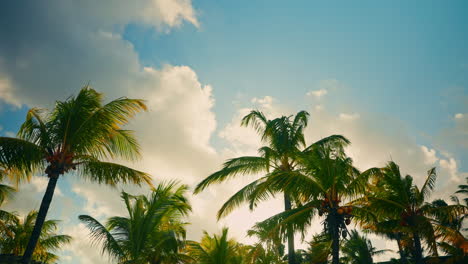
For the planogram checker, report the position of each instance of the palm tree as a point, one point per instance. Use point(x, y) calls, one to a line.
point(152, 233)
point(404, 209)
point(326, 178)
point(77, 135)
point(449, 229)
point(14, 234)
point(285, 142)
point(358, 249)
point(217, 250)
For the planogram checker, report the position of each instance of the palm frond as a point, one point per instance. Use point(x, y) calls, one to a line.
point(99, 131)
point(34, 129)
point(233, 167)
point(100, 235)
point(429, 184)
point(237, 199)
point(256, 119)
point(20, 155)
point(111, 173)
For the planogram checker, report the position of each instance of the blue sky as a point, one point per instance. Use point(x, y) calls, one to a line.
point(390, 75)
point(406, 60)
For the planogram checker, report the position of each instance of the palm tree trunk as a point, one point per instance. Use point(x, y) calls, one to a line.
point(290, 233)
point(417, 248)
point(41, 216)
point(335, 237)
point(402, 252)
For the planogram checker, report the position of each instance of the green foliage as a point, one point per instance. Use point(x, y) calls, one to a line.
point(15, 232)
point(399, 206)
point(358, 250)
point(217, 249)
point(76, 134)
point(153, 231)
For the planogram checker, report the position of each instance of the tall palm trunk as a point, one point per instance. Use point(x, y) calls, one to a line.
point(290, 233)
point(402, 252)
point(333, 225)
point(41, 216)
point(417, 248)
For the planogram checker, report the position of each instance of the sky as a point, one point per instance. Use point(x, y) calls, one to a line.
point(392, 76)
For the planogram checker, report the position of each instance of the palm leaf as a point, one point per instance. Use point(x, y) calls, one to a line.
point(232, 168)
point(429, 184)
point(20, 155)
point(237, 199)
point(111, 173)
point(100, 235)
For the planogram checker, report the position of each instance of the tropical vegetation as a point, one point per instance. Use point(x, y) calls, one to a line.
point(79, 135)
point(153, 231)
point(15, 233)
point(278, 160)
point(82, 135)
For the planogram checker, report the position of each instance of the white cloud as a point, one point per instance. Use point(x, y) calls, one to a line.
point(429, 155)
point(317, 93)
point(35, 60)
point(44, 59)
point(30, 195)
point(450, 165)
point(80, 250)
point(324, 87)
point(40, 185)
point(176, 132)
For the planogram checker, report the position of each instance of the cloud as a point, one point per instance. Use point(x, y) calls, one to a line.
point(30, 195)
point(375, 140)
point(54, 47)
point(324, 87)
point(80, 249)
point(459, 116)
point(317, 93)
point(429, 155)
point(450, 165)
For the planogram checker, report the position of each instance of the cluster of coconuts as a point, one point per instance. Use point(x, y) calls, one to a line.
point(343, 211)
point(60, 163)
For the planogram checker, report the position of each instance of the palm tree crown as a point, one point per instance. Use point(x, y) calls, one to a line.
point(325, 179)
point(153, 231)
point(77, 134)
point(216, 249)
point(284, 138)
point(401, 207)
